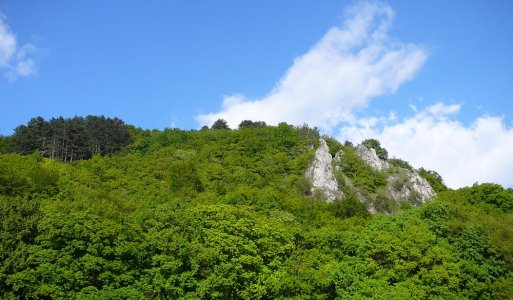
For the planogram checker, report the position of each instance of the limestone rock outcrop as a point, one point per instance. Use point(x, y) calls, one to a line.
point(321, 173)
point(409, 185)
point(401, 185)
point(371, 158)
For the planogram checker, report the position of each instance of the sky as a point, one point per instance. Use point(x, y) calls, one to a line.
point(432, 80)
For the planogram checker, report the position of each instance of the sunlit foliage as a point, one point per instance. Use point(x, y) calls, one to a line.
point(226, 214)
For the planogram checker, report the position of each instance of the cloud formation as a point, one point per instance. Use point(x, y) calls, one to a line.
point(434, 139)
point(349, 66)
point(352, 64)
point(15, 61)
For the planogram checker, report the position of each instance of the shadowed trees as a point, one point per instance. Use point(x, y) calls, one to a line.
point(73, 138)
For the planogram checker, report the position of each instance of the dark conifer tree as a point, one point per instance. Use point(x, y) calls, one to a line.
point(73, 138)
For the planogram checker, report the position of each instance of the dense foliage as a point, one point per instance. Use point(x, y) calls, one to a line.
point(435, 180)
point(220, 124)
point(249, 123)
point(226, 214)
point(363, 176)
point(71, 139)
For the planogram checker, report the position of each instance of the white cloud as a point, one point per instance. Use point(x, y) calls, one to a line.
point(345, 70)
point(14, 62)
point(7, 44)
point(349, 66)
point(432, 138)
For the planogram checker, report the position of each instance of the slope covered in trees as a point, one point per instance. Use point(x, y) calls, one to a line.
point(228, 214)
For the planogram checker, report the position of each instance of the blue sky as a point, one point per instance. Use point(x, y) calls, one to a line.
point(399, 71)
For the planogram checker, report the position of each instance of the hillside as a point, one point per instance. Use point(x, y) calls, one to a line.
point(237, 214)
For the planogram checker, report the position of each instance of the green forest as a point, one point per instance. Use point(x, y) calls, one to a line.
point(93, 208)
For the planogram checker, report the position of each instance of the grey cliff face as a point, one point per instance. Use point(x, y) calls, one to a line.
point(402, 185)
point(321, 173)
point(409, 186)
point(371, 158)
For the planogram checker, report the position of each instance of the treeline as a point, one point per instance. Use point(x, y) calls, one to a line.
point(72, 138)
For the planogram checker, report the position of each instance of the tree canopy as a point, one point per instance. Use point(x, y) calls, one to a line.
point(220, 124)
point(249, 124)
point(223, 214)
point(73, 138)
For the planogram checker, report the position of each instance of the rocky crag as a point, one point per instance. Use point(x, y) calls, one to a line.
point(402, 185)
point(320, 173)
point(409, 185)
point(371, 158)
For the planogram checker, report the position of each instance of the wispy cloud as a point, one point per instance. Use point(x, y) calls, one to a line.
point(15, 61)
point(349, 66)
point(433, 138)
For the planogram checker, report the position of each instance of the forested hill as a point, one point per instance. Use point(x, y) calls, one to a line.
point(92, 208)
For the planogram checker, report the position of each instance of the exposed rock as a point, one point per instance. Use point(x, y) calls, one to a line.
point(321, 173)
point(410, 186)
point(337, 159)
point(371, 158)
point(403, 185)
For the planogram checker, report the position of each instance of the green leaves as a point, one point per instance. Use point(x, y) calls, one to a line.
point(73, 138)
point(220, 124)
point(362, 175)
point(226, 214)
point(490, 193)
point(434, 179)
